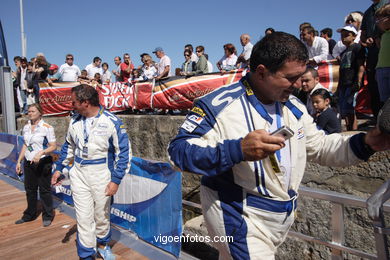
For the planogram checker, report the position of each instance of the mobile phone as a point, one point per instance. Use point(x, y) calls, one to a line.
point(60, 178)
point(284, 132)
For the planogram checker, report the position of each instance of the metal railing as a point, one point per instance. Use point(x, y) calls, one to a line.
point(339, 201)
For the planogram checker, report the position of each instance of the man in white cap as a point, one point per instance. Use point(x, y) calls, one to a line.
point(164, 65)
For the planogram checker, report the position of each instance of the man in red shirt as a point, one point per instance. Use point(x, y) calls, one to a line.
point(126, 67)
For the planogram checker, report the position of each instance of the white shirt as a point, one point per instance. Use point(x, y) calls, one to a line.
point(106, 76)
point(149, 72)
point(38, 139)
point(23, 82)
point(194, 57)
point(69, 73)
point(92, 70)
point(210, 66)
point(285, 154)
point(228, 62)
point(319, 50)
point(246, 52)
point(164, 61)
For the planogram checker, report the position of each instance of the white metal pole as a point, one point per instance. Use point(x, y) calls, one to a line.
point(23, 35)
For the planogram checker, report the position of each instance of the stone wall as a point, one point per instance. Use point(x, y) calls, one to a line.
point(150, 136)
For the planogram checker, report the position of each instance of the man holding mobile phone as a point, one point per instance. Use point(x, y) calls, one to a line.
point(251, 177)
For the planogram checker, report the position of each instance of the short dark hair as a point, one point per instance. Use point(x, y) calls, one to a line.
point(275, 49)
point(323, 93)
point(143, 54)
point(309, 29)
point(189, 46)
point(312, 70)
point(118, 57)
point(17, 58)
point(272, 30)
point(188, 51)
point(230, 48)
point(328, 31)
point(105, 63)
point(96, 59)
point(303, 25)
point(200, 47)
point(85, 92)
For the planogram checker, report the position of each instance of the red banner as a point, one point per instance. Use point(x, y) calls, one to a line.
point(170, 93)
point(117, 96)
point(328, 73)
point(55, 100)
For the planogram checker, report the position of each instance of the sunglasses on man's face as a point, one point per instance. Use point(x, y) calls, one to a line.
point(69, 58)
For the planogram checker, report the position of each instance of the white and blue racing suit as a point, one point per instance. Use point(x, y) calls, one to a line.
point(101, 155)
point(252, 201)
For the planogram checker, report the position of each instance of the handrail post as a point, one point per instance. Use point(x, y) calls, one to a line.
point(380, 237)
point(337, 227)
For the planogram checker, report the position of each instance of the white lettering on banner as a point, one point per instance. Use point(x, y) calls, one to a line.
point(105, 90)
point(116, 87)
point(120, 101)
point(123, 215)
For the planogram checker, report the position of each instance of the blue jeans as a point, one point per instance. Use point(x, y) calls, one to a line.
point(383, 79)
point(23, 95)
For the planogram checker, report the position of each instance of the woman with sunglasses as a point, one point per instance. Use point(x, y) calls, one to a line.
point(188, 65)
point(201, 66)
point(39, 142)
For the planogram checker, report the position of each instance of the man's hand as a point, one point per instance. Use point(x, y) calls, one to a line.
point(54, 178)
point(312, 62)
point(369, 42)
point(259, 144)
point(111, 188)
point(377, 140)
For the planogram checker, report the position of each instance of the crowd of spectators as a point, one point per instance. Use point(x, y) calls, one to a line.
point(360, 54)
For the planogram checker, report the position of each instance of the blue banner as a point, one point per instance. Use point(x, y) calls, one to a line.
point(148, 202)
point(10, 146)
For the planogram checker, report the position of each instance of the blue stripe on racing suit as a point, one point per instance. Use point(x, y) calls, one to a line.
point(120, 141)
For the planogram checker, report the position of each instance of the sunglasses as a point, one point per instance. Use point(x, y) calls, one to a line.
point(69, 58)
point(186, 55)
point(198, 51)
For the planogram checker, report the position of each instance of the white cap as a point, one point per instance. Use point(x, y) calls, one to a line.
point(349, 28)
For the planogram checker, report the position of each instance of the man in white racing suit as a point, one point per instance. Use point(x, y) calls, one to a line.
point(98, 144)
point(250, 177)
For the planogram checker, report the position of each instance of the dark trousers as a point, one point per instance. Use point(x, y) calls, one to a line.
point(38, 176)
point(376, 104)
point(372, 60)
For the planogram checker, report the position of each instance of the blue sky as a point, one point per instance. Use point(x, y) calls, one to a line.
point(89, 28)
